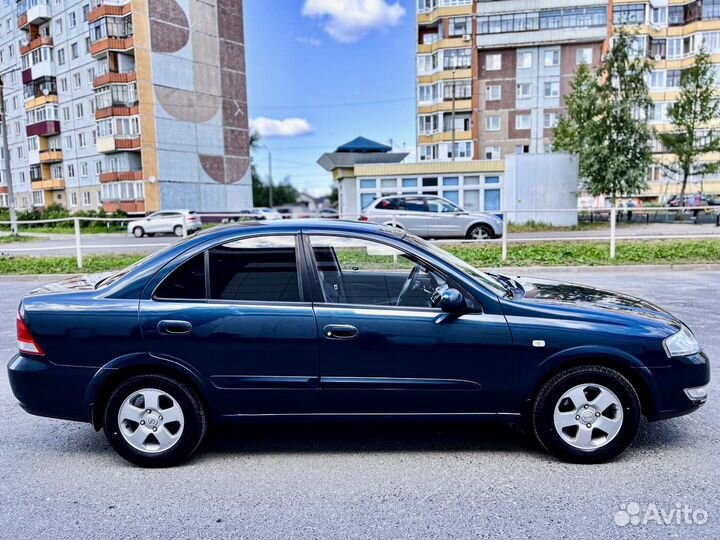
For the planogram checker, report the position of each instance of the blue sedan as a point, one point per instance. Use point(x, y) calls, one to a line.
point(272, 320)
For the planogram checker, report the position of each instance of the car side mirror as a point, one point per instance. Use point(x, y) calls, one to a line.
point(452, 301)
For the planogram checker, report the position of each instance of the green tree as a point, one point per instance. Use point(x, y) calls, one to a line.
point(605, 123)
point(283, 193)
point(692, 138)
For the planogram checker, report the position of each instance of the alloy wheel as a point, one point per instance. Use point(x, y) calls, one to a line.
point(588, 416)
point(151, 420)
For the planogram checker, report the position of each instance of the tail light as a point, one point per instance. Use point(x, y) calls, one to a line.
point(363, 218)
point(26, 343)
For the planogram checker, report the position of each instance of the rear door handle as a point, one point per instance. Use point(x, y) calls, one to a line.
point(174, 328)
point(340, 331)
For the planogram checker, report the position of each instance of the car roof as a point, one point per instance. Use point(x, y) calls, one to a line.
point(295, 225)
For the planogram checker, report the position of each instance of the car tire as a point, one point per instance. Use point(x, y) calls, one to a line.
point(178, 230)
point(480, 232)
point(586, 414)
point(138, 232)
point(148, 439)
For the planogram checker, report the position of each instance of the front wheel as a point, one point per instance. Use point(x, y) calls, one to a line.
point(480, 232)
point(587, 414)
point(138, 232)
point(154, 421)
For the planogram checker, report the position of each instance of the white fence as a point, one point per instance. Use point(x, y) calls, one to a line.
point(623, 224)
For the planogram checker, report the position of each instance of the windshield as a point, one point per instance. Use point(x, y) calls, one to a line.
point(486, 280)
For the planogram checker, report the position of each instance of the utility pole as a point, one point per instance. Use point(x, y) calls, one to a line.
point(270, 180)
point(6, 153)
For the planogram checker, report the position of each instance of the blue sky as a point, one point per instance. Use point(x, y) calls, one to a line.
point(322, 72)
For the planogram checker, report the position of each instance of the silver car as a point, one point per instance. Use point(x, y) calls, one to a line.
point(432, 217)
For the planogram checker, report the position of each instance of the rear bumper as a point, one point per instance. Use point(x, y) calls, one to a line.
point(671, 399)
point(45, 389)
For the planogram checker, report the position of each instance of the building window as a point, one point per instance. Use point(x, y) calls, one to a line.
point(77, 80)
point(71, 171)
point(657, 79)
point(525, 59)
point(524, 90)
point(86, 198)
point(550, 120)
point(409, 183)
point(74, 50)
point(552, 89)
point(85, 12)
point(492, 200)
point(37, 198)
point(552, 57)
point(584, 55)
point(72, 20)
point(629, 14)
point(493, 92)
point(491, 152)
point(79, 110)
point(460, 26)
point(492, 123)
point(58, 26)
point(493, 62)
point(457, 59)
point(659, 16)
point(522, 149)
point(82, 142)
point(674, 48)
point(61, 57)
point(368, 183)
point(522, 121)
point(73, 199)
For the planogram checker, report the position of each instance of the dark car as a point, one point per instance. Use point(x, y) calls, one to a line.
point(321, 319)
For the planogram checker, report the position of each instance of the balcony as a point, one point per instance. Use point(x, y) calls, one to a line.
point(131, 207)
point(114, 78)
point(104, 45)
point(121, 176)
point(117, 144)
point(33, 12)
point(117, 110)
point(51, 156)
point(40, 41)
point(53, 184)
point(109, 9)
point(48, 128)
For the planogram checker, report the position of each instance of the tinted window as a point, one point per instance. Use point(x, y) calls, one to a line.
point(262, 269)
point(388, 204)
point(415, 205)
point(185, 283)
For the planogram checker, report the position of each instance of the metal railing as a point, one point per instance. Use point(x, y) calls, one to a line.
point(623, 224)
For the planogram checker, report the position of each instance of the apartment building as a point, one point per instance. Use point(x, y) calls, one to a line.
point(496, 71)
point(670, 33)
point(492, 74)
point(131, 105)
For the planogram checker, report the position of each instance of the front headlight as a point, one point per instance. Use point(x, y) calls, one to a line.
point(681, 344)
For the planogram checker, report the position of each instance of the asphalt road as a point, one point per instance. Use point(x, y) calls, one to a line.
point(425, 480)
point(93, 244)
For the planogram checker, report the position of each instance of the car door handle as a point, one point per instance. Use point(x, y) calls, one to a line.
point(340, 331)
point(174, 328)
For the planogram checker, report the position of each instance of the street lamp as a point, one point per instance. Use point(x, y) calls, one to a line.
point(6, 153)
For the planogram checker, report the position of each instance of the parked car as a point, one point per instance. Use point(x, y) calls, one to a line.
point(432, 217)
point(260, 213)
point(165, 222)
point(329, 213)
point(321, 319)
point(706, 200)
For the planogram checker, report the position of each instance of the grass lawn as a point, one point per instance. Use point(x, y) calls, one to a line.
point(488, 256)
point(7, 239)
point(71, 230)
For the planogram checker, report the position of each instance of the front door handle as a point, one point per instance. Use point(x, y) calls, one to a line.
point(340, 331)
point(174, 328)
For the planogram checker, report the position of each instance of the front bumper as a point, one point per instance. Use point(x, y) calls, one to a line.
point(670, 396)
point(46, 389)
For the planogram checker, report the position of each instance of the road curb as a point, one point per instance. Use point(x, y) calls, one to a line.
point(502, 269)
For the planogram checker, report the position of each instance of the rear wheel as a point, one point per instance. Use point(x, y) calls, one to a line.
point(178, 230)
point(480, 232)
point(154, 421)
point(587, 414)
point(138, 232)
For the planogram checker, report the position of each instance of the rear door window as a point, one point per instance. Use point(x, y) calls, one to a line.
point(187, 282)
point(260, 269)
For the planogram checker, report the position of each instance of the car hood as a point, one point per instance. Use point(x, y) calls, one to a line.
point(85, 282)
point(545, 291)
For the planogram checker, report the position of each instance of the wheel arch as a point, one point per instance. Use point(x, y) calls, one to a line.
point(639, 375)
point(110, 375)
point(480, 222)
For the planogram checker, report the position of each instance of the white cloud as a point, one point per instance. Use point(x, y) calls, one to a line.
point(350, 20)
point(315, 42)
point(287, 127)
